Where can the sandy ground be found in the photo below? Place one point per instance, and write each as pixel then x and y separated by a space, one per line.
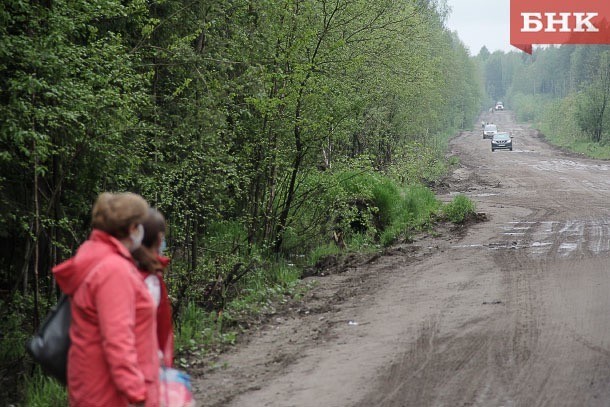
pixel 513 312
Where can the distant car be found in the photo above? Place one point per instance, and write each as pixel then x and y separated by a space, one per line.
pixel 501 141
pixel 499 106
pixel 489 131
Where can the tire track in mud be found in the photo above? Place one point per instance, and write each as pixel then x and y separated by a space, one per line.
pixel 517 356
pixel 539 338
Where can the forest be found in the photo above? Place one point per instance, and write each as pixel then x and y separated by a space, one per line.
pixel 563 90
pixel 270 133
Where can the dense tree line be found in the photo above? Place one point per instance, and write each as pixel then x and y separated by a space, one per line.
pixel 231 117
pixel 564 88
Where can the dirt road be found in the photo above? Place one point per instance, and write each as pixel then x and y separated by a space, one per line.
pixel 515 312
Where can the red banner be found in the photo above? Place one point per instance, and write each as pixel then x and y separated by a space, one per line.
pixel 559 22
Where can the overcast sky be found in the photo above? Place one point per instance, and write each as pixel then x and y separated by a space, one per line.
pixel 481 22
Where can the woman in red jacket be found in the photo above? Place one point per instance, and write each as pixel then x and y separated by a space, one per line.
pixel 113 358
pixel 152 265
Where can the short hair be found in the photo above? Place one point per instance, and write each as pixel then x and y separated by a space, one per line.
pixel 113 213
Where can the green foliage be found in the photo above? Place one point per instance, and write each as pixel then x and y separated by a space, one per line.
pixel 403 210
pixel 557 122
pixel 458 210
pixel 262 130
pixel 13 318
pixel 322 251
pixel 454 160
pixel 198 332
pixel 421 203
pixel 42 391
pixel 388 200
pixel 530 108
pixel 564 91
pixel 15 330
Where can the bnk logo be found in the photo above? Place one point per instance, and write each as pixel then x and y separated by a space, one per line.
pixel 559 22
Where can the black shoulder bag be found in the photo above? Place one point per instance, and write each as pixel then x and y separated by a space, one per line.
pixel 49 347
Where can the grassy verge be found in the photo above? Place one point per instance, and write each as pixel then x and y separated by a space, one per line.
pixel 369 210
pixel 557 120
pixel 351 208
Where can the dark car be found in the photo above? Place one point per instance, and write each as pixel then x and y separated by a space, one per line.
pixel 501 141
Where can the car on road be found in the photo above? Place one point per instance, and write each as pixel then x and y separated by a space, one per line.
pixel 489 131
pixel 499 106
pixel 501 141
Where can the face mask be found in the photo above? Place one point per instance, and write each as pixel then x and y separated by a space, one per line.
pixel 162 247
pixel 136 238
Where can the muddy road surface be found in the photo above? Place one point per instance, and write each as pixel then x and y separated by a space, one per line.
pixel 515 311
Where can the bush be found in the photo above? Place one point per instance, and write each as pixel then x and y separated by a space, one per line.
pixel 459 209
pixel 421 204
pixel 388 201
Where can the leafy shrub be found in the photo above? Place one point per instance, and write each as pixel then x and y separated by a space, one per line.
pixel 421 204
pixel 389 202
pixel 410 209
pixel 459 208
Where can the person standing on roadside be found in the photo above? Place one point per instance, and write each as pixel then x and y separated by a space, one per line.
pixel 152 265
pixel 113 359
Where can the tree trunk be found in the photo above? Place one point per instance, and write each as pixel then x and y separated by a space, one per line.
pixel 296 166
pixel 36 237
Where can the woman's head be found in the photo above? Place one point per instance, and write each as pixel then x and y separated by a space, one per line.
pixel 117 214
pixel 154 229
pixel 154 234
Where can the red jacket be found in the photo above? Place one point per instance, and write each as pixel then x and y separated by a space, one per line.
pixel 113 359
pixel 165 329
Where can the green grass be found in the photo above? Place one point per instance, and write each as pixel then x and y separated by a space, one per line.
pixel 557 120
pixel 200 331
pixel 459 208
pixel 42 391
pixel 283 274
pixel 576 143
pixel 454 161
pixel 322 251
pixel 421 203
pixel 410 209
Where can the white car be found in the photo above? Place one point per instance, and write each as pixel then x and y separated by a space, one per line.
pixel 499 106
pixel 490 131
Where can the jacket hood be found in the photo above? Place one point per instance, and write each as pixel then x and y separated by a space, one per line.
pixel 71 273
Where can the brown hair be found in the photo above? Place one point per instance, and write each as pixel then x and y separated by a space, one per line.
pixel 153 225
pixel 114 213
pixel 145 255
